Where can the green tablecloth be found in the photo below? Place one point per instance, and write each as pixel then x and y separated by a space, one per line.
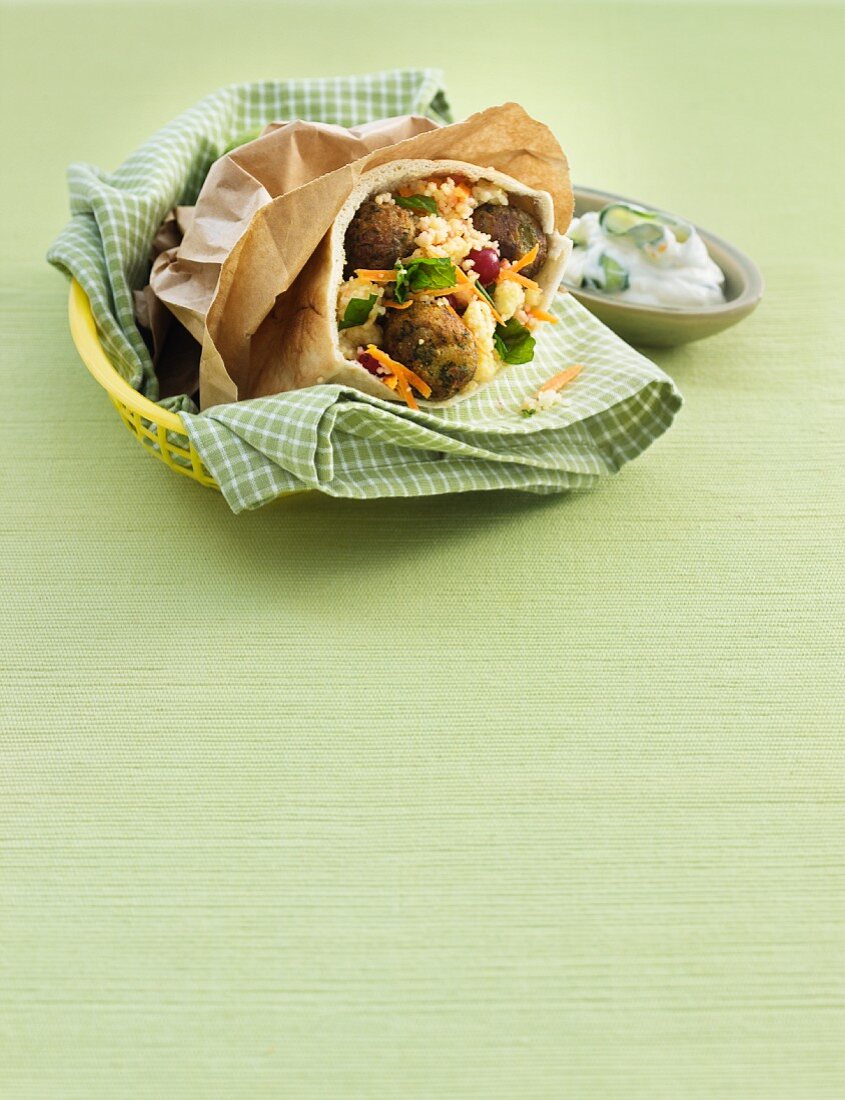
pixel 472 796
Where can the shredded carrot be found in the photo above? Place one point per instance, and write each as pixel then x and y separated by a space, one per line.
pixel 398 305
pixel 419 384
pixel 558 381
pixel 515 277
pixel 441 293
pixel 525 260
pixel 541 315
pixel 383 358
pixel 376 275
pixel 403 376
pixel 453 311
pixel 405 391
pixel 464 278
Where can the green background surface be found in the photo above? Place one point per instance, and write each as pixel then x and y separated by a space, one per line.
pixel 479 796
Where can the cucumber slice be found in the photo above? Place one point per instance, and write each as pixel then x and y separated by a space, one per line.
pixel 613 276
pixel 646 233
pixel 620 219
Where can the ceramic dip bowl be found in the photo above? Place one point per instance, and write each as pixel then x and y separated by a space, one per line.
pixel 666 326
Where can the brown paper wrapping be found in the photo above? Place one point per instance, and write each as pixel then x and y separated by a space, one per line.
pixel 287 156
pixel 249 278
pixel 175 352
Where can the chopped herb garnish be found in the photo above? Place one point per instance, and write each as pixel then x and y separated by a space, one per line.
pixel 514 342
pixel 485 294
pixel 527 412
pixel 357 311
pixel 425 273
pixel 400 291
pixel 421 204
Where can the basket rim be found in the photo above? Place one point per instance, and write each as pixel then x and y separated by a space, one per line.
pixel 83 330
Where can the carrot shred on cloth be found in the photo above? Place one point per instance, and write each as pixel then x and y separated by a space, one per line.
pixel 558 381
pixel 542 315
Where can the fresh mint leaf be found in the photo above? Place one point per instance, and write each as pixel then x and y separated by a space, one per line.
pixel 357 311
pixel 420 204
pixel 514 342
pixel 424 273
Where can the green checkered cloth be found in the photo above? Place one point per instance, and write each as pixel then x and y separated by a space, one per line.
pixel 333 438
pixel 345 443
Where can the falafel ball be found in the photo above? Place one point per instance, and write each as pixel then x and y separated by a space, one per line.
pixel 379 235
pixel 516 230
pixel 434 343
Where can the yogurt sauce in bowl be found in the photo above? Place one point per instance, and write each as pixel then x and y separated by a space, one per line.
pixel 722 283
pixel 643 256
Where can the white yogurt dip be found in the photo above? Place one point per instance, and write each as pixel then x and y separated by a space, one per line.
pixel 639 255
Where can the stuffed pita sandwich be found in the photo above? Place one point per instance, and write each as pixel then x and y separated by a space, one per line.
pixel 441 276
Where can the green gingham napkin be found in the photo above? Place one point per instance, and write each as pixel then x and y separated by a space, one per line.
pixel 346 443
pixel 333 438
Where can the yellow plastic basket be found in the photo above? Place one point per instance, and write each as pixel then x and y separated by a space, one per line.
pixel 160 433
